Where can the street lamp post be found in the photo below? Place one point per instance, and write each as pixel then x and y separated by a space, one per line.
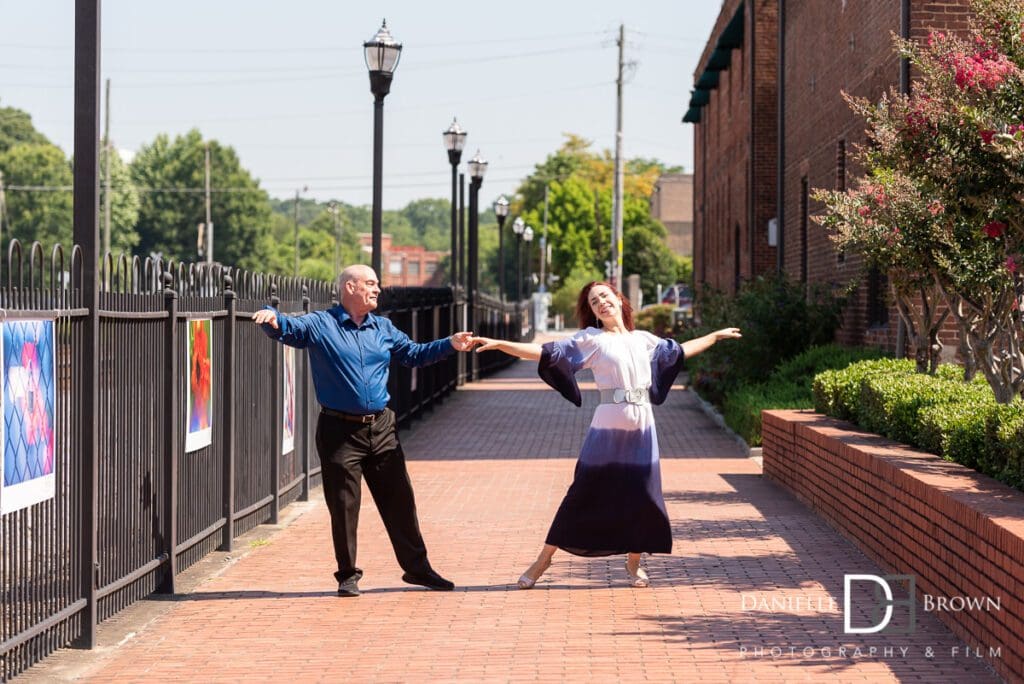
pixel 382 53
pixel 528 238
pixel 454 141
pixel 517 227
pixel 477 169
pixel 501 211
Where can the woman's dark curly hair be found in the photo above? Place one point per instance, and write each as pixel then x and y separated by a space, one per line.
pixel 585 315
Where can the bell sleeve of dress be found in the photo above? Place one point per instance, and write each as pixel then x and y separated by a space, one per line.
pixel 561 359
pixel 667 360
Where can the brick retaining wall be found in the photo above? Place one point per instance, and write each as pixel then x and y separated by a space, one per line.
pixel 959 532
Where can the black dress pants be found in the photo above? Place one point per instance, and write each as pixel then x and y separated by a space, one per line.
pixel 350 451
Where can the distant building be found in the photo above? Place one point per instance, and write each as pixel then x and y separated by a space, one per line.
pixel 672 204
pixel 406 265
pixel 735 108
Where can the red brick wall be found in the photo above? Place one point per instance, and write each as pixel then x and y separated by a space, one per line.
pixel 735 143
pixel 958 532
pixel 855 55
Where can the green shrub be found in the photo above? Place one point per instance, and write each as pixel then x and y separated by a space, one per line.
pixel 837 393
pixel 955 431
pixel 742 407
pixel 778 322
pixel 957 420
pixel 1004 433
pixel 656 319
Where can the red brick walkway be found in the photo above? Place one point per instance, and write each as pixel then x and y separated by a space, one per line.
pixel 489 469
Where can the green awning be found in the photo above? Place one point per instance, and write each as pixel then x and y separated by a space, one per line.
pixel 708 80
pixel 719 60
pixel 692 115
pixel 732 35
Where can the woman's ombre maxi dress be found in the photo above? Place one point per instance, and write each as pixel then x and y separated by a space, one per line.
pixel 615 504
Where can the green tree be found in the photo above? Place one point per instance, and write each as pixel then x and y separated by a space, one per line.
pixel 124 206
pixel 16 127
pixel 42 211
pixel 579 186
pixel 170 174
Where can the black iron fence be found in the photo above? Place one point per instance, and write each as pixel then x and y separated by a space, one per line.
pixel 171 336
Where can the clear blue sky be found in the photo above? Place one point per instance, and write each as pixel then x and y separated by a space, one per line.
pixel 285 84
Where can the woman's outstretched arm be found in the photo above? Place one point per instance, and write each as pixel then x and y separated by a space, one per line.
pixel 699 344
pixel 523 350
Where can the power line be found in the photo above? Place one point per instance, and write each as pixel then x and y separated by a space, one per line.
pixel 275 51
pixel 333 75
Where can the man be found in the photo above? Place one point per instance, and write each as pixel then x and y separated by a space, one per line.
pixel 349 352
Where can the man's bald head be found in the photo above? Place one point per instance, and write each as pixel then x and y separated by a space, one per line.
pixel 358 289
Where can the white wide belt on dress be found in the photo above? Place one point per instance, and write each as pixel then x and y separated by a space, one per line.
pixel 639 395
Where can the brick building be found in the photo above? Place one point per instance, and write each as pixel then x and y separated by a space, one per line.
pixel 406 265
pixel 734 108
pixel 672 204
pixel 816 134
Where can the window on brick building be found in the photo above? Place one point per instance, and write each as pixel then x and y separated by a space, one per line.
pixel 395 266
pixel 878 307
pixel 841 182
pixel 736 258
pixel 413 268
pixel 804 202
pixel 430 267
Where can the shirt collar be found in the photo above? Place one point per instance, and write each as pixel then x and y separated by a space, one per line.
pixel 344 317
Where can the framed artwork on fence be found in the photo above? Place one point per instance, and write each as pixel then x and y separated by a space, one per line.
pixel 29 397
pixel 288 401
pixel 199 385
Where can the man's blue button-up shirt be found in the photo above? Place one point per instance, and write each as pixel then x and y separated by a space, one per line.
pixel 349 363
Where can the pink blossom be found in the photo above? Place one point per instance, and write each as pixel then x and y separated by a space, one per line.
pixel 864 211
pixel 994 228
pixel 935 207
pixel 1011 264
pixel 987 135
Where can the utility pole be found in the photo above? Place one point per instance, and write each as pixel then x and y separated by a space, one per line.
pixel 544 243
pixel 617 197
pixel 209 223
pixel 335 210
pixel 296 233
pixel 304 189
pixel 3 207
pixel 106 174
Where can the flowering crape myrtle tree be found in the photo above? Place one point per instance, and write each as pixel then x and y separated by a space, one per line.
pixel 887 221
pixel 958 139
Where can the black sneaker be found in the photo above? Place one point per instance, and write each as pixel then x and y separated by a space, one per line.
pixel 349 587
pixel 428 579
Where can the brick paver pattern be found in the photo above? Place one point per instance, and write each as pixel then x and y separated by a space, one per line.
pixel 489 468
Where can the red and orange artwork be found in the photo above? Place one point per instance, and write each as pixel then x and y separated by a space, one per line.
pixel 199 358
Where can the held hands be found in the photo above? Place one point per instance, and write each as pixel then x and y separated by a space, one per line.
pixel 462 341
pixel 265 316
pixel 483 343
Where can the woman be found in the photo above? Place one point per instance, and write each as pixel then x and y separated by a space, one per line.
pixel 614 504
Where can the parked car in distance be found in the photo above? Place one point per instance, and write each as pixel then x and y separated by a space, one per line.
pixel 679 295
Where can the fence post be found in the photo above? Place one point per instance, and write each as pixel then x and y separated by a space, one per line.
pixel 231 304
pixel 275 422
pixel 171 430
pixel 302 399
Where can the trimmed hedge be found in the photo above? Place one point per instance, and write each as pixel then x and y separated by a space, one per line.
pixel 787 387
pixel 957 420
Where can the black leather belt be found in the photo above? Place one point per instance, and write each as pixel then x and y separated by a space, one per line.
pixel 365 418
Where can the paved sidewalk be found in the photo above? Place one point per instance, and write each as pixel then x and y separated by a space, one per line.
pixel 489 468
